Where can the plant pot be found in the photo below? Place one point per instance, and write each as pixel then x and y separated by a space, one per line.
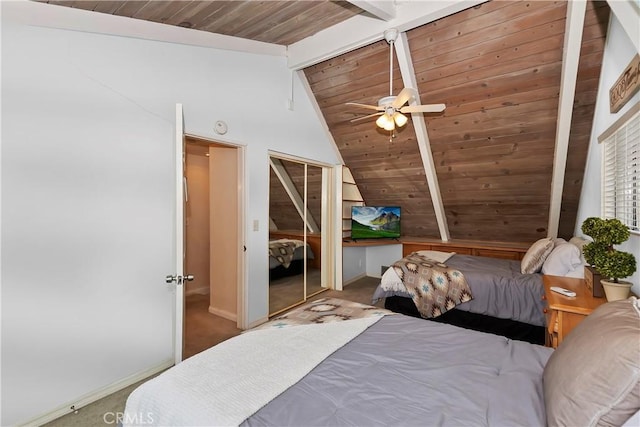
pixel 593 281
pixel 616 291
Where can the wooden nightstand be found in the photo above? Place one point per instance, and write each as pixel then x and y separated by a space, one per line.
pixel 565 313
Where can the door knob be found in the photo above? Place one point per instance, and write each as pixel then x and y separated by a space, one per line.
pixel 179 279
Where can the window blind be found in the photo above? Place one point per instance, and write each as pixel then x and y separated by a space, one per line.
pixel 621 173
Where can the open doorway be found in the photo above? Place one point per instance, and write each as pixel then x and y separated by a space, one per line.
pixel 213 248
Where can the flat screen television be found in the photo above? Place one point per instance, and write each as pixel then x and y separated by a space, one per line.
pixel 375 222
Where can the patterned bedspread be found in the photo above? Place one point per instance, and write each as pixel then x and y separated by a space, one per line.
pixel 434 287
pixel 325 310
pixel 282 250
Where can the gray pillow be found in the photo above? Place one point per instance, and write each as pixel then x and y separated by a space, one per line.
pixel 593 378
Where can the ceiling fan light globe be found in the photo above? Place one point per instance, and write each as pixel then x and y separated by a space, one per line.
pixel 400 119
pixel 383 121
pixel 390 125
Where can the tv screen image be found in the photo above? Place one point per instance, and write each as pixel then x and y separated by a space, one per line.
pixel 375 222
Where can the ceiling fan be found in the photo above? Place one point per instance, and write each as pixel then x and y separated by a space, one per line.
pixel 391 108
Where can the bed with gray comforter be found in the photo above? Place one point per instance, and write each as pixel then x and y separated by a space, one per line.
pixel 401 372
pixel 498 288
pixel 297 255
pixel 398 371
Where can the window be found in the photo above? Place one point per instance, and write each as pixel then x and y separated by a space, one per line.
pixel 621 171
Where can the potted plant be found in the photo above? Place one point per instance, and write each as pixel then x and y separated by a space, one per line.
pixel 612 264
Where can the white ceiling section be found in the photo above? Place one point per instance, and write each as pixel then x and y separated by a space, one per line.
pixel 385 10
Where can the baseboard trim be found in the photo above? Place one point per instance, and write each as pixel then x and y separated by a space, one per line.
pixel 198 291
pixel 223 313
pixel 98 394
pixel 353 279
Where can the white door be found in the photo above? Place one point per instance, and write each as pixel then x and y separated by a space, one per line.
pixel 177 276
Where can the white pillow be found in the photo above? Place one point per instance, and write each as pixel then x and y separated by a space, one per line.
pixel 577 272
pixel 535 256
pixel 563 259
pixel 579 242
pixel 558 241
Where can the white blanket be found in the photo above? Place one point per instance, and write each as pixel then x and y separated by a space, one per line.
pixel 226 384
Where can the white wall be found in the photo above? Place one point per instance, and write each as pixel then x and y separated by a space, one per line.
pixel 87 165
pixel 618 53
pixel 354 263
pixel 377 256
pixel 359 261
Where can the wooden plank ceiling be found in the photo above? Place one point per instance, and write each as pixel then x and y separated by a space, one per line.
pixel 496 66
pixel 278 22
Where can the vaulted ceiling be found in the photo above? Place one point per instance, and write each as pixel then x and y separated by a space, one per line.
pixel 497 67
pixel 482 169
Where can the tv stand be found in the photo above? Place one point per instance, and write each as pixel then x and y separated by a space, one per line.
pixel 502 250
pixel 370 242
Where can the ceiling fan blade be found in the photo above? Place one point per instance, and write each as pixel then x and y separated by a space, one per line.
pixel 357 119
pixel 403 97
pixel 430 108
pixel 370 107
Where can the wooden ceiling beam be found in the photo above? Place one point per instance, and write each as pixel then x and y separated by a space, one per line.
pixel 576 11
pixel 422 136
pixel 384 10
pixel 362 30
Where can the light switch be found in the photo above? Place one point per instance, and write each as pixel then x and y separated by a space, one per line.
pixel 256 225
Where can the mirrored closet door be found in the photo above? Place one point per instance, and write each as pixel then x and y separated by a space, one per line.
pixel 314 210
pixel 295 227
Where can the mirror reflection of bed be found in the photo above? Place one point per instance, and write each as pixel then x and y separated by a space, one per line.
pixel 286 284
pixel 295 204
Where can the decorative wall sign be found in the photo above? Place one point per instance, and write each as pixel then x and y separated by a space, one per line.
pixel 626 86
